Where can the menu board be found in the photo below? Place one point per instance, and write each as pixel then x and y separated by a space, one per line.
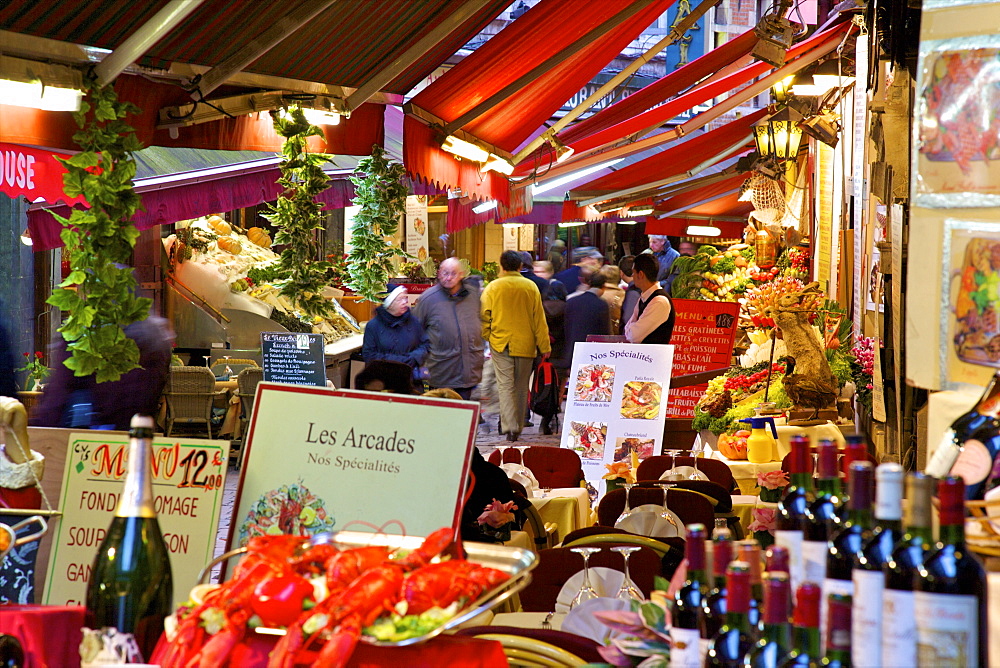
pixel 416 227
pixel 188 480
pixel 293 358
pixel 704 334
pixel 616 403
pixel 322 460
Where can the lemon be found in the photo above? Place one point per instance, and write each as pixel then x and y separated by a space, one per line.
pixel 308 516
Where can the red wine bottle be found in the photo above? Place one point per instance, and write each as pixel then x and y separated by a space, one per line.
pixel 715 602
pixel 838 638
pixel 805 628
pixel 950 591
pixel 823 515
pixel 899 623
pixel 776 637
pixel 685 632
pixel 792 516
pixel 855 450
pixel 748 550
pixel 868 578
pixel 731 644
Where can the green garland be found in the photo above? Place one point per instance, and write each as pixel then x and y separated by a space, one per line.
pixel 381 194
pixel 298 215
pixel 99 293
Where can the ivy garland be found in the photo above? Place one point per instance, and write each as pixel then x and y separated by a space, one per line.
pixel 99 293
pixel 298 215
pixel 381 194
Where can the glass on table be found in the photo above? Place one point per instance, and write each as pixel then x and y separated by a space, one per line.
pixel 628 508
pixel 587 590
pixel 628 591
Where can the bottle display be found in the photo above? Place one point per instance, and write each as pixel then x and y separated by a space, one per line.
pixel 805 628
pixel 823 512
pixel 792 517
pixel 715 602
pixel 776 637
pixel 838 637
pixel 131 587
pixel 731 644
pixel 685 633
pixel 748 551
pixel 899 624
pixel 949 596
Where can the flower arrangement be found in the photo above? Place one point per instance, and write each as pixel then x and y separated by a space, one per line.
pixel 497 519
pixel 862 369
pixel 36 369
pixel 763 525
pixel 771 485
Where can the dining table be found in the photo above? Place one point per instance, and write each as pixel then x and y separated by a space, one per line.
pixel 566 507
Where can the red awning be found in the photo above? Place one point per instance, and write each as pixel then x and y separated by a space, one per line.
pixel 543 32
pixel 712 205
pixel 33 173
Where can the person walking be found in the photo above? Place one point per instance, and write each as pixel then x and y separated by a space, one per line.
pixel 653 318
pixel 514 326
pixel 450 314
pixel 613 294
pixel 394 334
pixel 586 314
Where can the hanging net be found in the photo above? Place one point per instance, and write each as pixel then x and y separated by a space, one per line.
pixel 767 199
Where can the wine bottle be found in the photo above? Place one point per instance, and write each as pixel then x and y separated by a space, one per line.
pixel 822 512
pixel 838 639
pixel 855 450
pixel 131 587
pixel 970 445
pixel 776 561
pixel 776 637
pixel 11 652
pixel 731 644
pixel 792 518
pixel 846 544
pixel 685 632
pixel 899 624
pixel 950 591
pixel 805 628
pixel 748 550
pixel 715 602
pixel 868 578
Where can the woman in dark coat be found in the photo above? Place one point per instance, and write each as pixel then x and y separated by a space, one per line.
pixel 394 334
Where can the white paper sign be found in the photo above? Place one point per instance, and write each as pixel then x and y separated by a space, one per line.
pixel 616 403
pixel 416 226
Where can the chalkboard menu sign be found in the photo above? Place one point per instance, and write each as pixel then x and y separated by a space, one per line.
pixel 294 358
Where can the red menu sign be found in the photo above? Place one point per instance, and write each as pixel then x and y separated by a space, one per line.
pixel 704 334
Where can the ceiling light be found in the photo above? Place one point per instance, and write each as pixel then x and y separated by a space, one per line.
pixel 563 152
pixel 464 149
pixel 485 206
pixel 499 164
pixel 628 222
pixel 830 75
pixel 569 178
pixel 573 223
pixel 703 231
pixel 29 83
pixel 319 117
pixel 639 211
pixel 26 237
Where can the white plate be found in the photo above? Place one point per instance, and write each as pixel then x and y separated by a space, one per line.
pixel 646 520
pixel 684 472
pixel 581 621
pixel 605 581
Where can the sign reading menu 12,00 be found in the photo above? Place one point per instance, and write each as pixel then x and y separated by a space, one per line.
pixel 188 479
pixel 616 404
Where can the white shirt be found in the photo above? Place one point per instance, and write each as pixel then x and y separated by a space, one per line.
pixel 654 314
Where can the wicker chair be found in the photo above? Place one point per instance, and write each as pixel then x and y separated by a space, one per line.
pixel 235 366
pixel 189 394
pixel 247 381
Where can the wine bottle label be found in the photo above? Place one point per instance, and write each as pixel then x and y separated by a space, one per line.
pixel 899 629
pixel 792 541
pixel 814 560
pixel 685 648
pixel 866 618
pixel 944 456
pixel 831 586
pixel 947 629
pixel 974 463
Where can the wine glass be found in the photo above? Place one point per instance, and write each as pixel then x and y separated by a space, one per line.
pixel 673 463
pixel 696 474
pixel 587 590
pixel 521 449
pixel 628 591
pixel 628 508
pixel 502 448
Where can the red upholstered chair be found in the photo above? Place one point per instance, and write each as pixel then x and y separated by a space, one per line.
pixel 720 498
pixel 557 565
pixel 552 466
pixel 717 471
pixel 509 455
pixel 691 507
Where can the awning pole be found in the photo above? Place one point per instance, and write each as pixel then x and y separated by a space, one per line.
pixel 704 201
pixel 142 39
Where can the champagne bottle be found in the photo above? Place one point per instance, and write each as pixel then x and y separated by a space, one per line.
pixel 792 519
pixel 130 587
pixel 868 578
pixel 805 628
pixel 838 639
pixel 822 512
pixel 970 445
pixel 731 644
pixel 846 545
pixel 950 591
pixel 776 638
pixel 685 632
pixel 715 602
pixel 899 623
pixel 748 550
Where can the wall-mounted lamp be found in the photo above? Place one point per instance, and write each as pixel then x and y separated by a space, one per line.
pixel 465 150
pixel 563 152
pixel 823 127
pixel 485 206
pixel 703 231
pixel 825 78
pixel 26 237
pixel 498 164
pixel 782 89
pixel 29 83
pixel 778 135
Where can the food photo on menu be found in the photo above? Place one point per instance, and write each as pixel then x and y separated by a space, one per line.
pixel 588 438
pixel 641 400
pixel 594 382
pixel 642 447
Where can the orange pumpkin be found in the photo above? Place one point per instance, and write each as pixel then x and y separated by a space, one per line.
pixel 732 446
pixel 230 245
pixel 259 236
pixel 219 226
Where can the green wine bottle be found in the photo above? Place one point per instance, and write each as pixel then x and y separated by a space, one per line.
pixel 131 588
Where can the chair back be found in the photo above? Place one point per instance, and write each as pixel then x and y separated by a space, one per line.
pixel 717 471
pixel 247 381
pixel 721 499
pixel 235 365
pixel 189 394
pixel 552 466
pixel 558 564
pixel 690 506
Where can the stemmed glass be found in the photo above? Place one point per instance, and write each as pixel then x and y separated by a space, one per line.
pixel 665 513
pixel 628 508
pixel 628 591
pixel 521 449
pixel 502 448
pixel 696 474
pixel 673 461
pixel 587 590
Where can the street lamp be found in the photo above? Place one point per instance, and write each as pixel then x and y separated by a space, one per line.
pixel 778 135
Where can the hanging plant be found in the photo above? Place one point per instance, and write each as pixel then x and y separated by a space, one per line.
pixel 381 194
pixel 99 293
pixel 298 215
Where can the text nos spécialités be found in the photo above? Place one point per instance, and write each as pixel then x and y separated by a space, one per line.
pixel 388 443
pixel 618 354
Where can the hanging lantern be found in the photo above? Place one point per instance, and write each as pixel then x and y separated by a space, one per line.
pixel 778 135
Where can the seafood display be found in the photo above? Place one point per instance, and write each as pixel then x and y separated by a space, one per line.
pixel 641 400
pixel 290 509
pixel 594 382
pixel 588 438
pixel 328 598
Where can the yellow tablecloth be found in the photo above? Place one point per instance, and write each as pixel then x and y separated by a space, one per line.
pixel 817 433
pixel 746 473
pixel 519 539
pixel 566 507
pixel 743 505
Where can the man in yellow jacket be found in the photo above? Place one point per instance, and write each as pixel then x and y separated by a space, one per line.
pixel 514 327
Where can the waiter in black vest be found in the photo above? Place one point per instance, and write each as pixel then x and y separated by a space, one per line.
pixel 653 318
